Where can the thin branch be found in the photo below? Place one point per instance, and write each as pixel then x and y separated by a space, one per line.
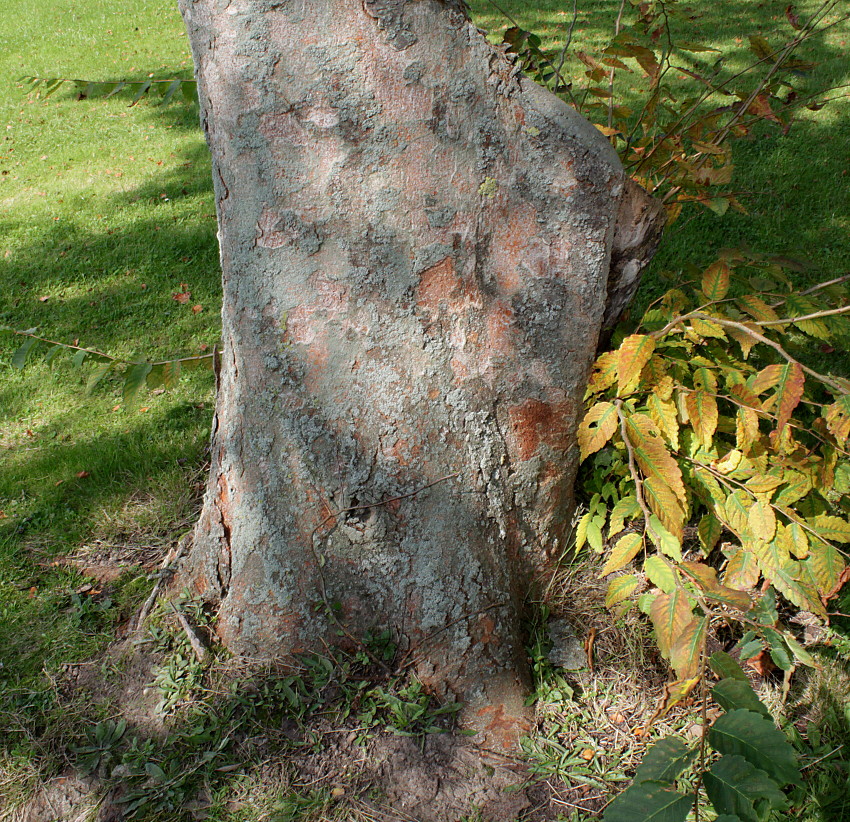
pixel 194 640
pixel 814 316
pixel 611 73
pixel 633 469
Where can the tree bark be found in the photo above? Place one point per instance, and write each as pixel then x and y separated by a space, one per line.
pixel 415 244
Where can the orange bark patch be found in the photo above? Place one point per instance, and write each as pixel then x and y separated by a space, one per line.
pixel 510 246
pixel 501 728
pixel 534 423
pixel 437 283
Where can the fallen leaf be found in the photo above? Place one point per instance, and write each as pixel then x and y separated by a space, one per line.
pixel 144 408
pixel 33 591
pixel 762 663
pixel 196 309
pixel 43 299
pixel 336 793
pixel 116 407
pixel 587 754
pixel 616 716
pixel 82 474
pixel 29 432
pixel 58 482
pixel 204 346
pixel 182 297
pixel 4 515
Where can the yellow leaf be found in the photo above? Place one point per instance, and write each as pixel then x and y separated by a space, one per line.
pixel 623 553
pixel 660 573
pixel 604 373
pixel 665 504
pixel 626 508
pixel 737 511
pixel 837 418
pixel 675 692
pixel 663 413
pixel 746 429
pixel 709 530
pixel 746 341
pixel 687 647
pixel 830 527
pixel 796 487
pixel 715 280
pixel 652 455
pixel 789 392
pixel 762 521
pixel 707 328
pixel 764 483
pixel 702 410
pixel 620 588
pixel 784 574
pixel 729 462
pixel 765 379
pixel 757 308
pixel 670 613
pixel 742 571
pixel 597 427
pixel 632 356
pixel 826 566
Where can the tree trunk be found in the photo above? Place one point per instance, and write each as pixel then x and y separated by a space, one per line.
pixel 415 244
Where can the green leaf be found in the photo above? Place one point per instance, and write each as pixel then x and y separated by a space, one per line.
pixel 664 761
pixel 97 374
pixel 649 802
pixel 19 358
pixel 757 740
pixel 726 668
pixel 660 573
pixel 78 358
pixel 133 382
pixel 626 508
pixel 715 280
pixel 666 542
pixel 734 786
pixel 732 694
pixel 709 530
pixel 143 89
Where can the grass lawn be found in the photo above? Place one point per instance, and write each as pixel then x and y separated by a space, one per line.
pixel 106 213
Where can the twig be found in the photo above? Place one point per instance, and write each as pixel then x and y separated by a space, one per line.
pixel 164 571
pixel 831 312
pixel 633 468
pixel 611 73
pixel 197 646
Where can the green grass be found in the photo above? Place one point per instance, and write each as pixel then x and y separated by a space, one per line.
pixel 106 210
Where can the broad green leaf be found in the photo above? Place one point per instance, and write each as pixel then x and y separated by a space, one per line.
pixel 19 358
pixel 78 358
pixel 171 373
pixel 784 574
pixel 133 382
pixel 623 553
pixel 594 536
pixel 649 802
pixel 97 374
pixel 620 588
pixel 778 649
pixel 732 694
pixel 670 615
pixel 706 329
pixel 715 280
pixel 664 761
pixel 632 356
pixel 686 650
pixel 800 653
pixel 734 786
pixel 726 667
pixel 652 455
pixel 597 427
pixel 142 89
pixel 758 740
pixel 666 542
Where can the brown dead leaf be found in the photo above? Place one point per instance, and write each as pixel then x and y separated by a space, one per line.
pixel 182 297
pixel 197 309
pixel 761 663
pixel 43 299
pixel 33 591
pixel 82 474
pixel 587 754
pixel 29 432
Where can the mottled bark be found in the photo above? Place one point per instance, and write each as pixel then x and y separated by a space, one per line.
pixel 415 245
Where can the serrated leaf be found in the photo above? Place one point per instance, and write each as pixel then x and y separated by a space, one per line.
pixel 784 574
pixel 742 571
pixel 19 358
pixel 837 418
pixel 830 527
pixel 737 511
pixel 789 392
pixel 649 802
pixel 732 694
pixel 667 508
pixel 708 531
pixel 765 379
pixel 620 588
pixel 702 411
pixel 686 650
pixel 726 668
pixel 634 353
pixel 756 739
pixel 675 692
pixel 97 374
pixel 597 427
pixel 660 573
pixel 779 652
pixel 663 413
pixel 705 577
pixel 594 536
pixel 171 373
pixel 734 786
pixel 760 47
pixel 581 530
pixel 761 520
pixel 626 508
pixel 670 614
pixel 826 565
pixel 604 373
pixel 666 542
pixel 757 308
pixel 745 340
pixel 796 487
pixel 652 455
pixel 715 280
pixel 746 429
pixel 623 553
pixel 706 329
pixel 133 382
pixel 664 761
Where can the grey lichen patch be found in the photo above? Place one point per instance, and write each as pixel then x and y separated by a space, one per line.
pixel 391 22
pixel 413 72
pixel 440 217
